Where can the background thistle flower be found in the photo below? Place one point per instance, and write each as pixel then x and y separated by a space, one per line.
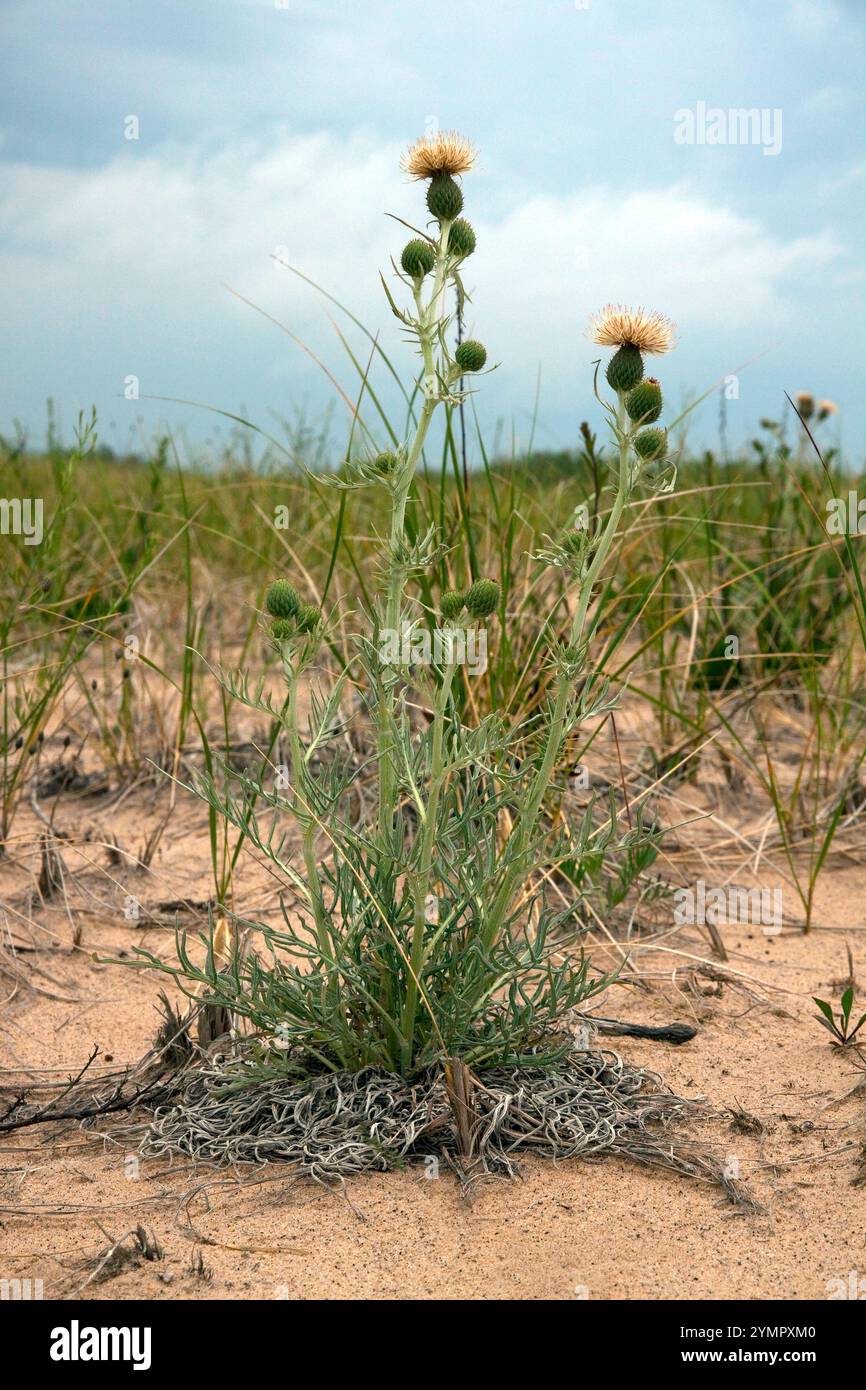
pixel 644 402
pixel 482 598
pixel 805 404
pixel 444 198
pixel 471 355
pixel 461 239
pixel 651 444
pixel 418 258
pixel 282 599
pixel 451 605
pixel 446 152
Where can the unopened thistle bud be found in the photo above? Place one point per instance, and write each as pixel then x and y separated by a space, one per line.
pixel 573 542
pixel 651 445
pixel 482 598
pixel 386 463
pixel 444 198
pixel 625 368
pixel 471 355
pixel 452 604
pixel 282 599
pixel 418 258
pixel 283 630
pixel 644 401
pixel 461 239
pixel 308 618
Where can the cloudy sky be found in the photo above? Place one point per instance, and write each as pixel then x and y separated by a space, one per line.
pixel 275 127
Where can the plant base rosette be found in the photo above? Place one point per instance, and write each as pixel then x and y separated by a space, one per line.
pixel 342 1124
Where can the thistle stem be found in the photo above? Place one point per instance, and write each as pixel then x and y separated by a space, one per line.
pixel 422 878
pixel 303 808
pixel 531 806
pixel 429 317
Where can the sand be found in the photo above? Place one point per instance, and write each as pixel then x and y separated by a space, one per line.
pixel 601 1230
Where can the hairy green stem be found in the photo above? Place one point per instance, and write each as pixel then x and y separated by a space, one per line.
pixel 421 883
pixel 303 814
pixel 429 320
pixel 531 805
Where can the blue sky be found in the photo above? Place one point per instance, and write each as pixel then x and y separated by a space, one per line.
pixel 276 129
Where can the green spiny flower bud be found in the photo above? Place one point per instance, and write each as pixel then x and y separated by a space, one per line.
pixel 452 605
pixel 282 599
pixel 386 463
pixel 482 598
pixel 574 542
pixel 418 258
pixel 651 444
pixel 283 630
pixel 471 355
pixel 444 198
pixel 308 618
pixel 461 239
pixel 644 402
pixel 625 368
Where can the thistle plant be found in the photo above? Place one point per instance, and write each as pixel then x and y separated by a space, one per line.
pixel 424 935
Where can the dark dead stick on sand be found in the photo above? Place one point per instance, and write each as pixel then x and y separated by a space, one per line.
pixel 669 1032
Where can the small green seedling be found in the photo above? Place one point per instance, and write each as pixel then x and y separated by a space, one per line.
pixel 840 1029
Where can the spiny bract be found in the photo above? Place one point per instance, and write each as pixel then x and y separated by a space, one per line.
pixel 651 444
pixel 461 239
pixel 418 258
pixel 471 355
pixel 444 198
pixel 625 369
pixel 482 598
pixel 452 604
pixel 644 402
pixel 282 599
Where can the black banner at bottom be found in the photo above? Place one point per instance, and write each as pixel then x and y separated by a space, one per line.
pixel 161 1336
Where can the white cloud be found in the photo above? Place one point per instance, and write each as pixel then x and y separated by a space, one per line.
pixel 185 219
pixel 835 182
pixel 829 101
pixel 813 17
pixel 190 219
pixel 146 242
pixel 669 248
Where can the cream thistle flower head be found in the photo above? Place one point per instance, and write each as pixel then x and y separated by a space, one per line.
pixel 617 326
pixel 826 409
pixel 446 153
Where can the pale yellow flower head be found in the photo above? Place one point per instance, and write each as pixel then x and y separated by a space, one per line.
pixel 446 152
pixel 805 404
pixel 617 326
pixel 826 409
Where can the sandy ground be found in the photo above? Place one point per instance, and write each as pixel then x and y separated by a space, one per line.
pixel 600 1230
